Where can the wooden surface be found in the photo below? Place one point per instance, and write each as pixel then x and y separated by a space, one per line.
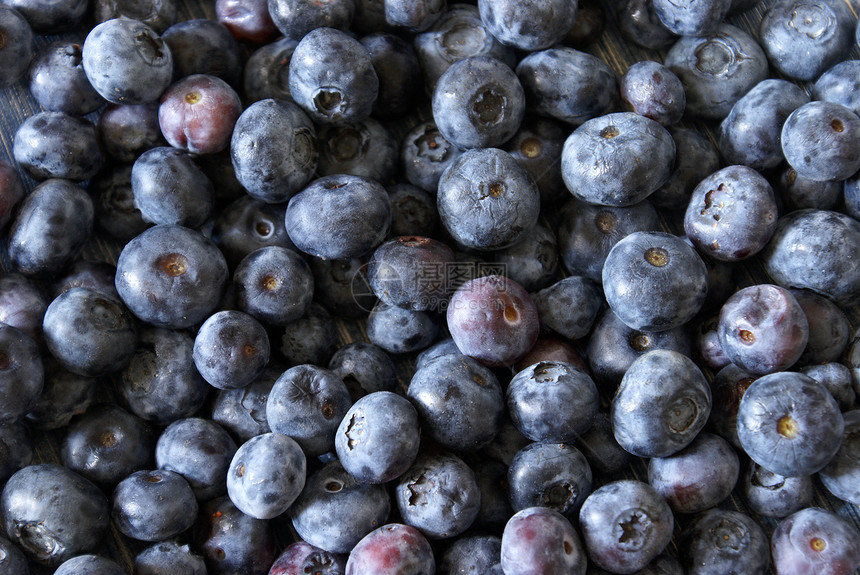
pixel 16 104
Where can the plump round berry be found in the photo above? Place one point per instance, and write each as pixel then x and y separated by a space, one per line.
pixel 231 349
pixel 815 540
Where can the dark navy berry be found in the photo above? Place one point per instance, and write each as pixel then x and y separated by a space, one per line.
pixel 820 141
pixel 168 557
pixel 553 475
pixel 58 145
pixel 17 47
pixel 725 541
pixel 58 81
pixel 528 27
pixel 153 505
pixel 169 188
pixel 773 495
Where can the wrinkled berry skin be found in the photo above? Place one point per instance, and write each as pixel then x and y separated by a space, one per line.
pixel 378 438
pixel 812 249
pixel 803 39
pixel 815 541
pixel 17 50
pixel 654 281
pixel 478 102
pixel 698 477
pixel 50 228
pixel 750 134
pixel 231 542
pixel 168 557
pixel 763 329
pixel 300 557
pixel 307 403
pixel 529 27
pixel 140 66
pixel 153 505
pixel 339 217
pixel 200 450
pixel 89 332
pixel 171 276
pixel 160 383
pixel 661 405
pixel 821 141
pixel 459 401
pixel 273 149
pixel 732 214
pixel 493 320
pixel 424 156
pixel 58 145
pixel 266 475
pixel 553 475
pixel 486 201
pixel 552 401
pixel 724 541
pixel 53 514
pixel 58 81
pixel 547 75
pixel 335 510
pixel 717 69
pixel 773 495
pixel 789 423
pixel 438 495
pixel 392 549
pixel 603 162
pixel 625 524
pixel 332 77
pixel 541 541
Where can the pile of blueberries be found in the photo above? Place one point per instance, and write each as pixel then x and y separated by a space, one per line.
pixel 406 287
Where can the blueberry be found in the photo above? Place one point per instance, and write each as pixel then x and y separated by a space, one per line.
pixel 717 69
pixel 17 50
pixel 16 450
pixel 399 74
pixel 537 146
pixel 231 349
pixel 22 303
pixel 811 250
pixel 552 401
pixel 625 524
pixel 390 550
pixel 803 39
pixel 248 22
pixel 493 319
pixel 541 540
pixel 140 66
pixel 378 438
pixel 267 69
pixel 696 157
pixel 532 262
pixel 400 330
pixel 528 27
pixel 459 401
pixel 458 33
pixel 53 514
pixel 654 281
pixel 157 14
pixel 661 405
pixel 106 444
pixel 198 113
pixel 171 276
pixel 332 77
pixel 364 368
pixel 789 423
pixel 312 338
pixel 231 542
pixel 732 214
pixel 274 150
pixel 366 148
pixel 603 161
pixel 242 411
pixel 295 18
pixel 552 475
pixel 478 102
pixel 770 494
pixel 840 85
pixel 339 217
pixel 763 329
pixel 335 510
pixel 727 388
pixel 652 90
pixel 819 140
pixel 691 18
pixel 409 272
pixel 815 540
pixel 301 557
pixel 128 130
pixel 58 81
pixel 587 233
pixel 12 559
pixel 799 192
pixel 438 495
pixel 160 383
pixel 413 15
pixel 169 188
pixel 547 74
pixel 836 377
pixel 307 403
pixel 638 22
pixel 492 476
pixel 725 541
pixel 750 134
pixel 203 46
pixel 274 285
pixel 266 475
pixel 486 200
pixel 840 475
pixel 598 444
pixel 90 565
pixel 51 16
pixel 58 145
pixel 96 275
pixel 168 557
pixel 153 505
pixel 698 477
pixel 569 307
pixel 413 211
pixel 424 155
pixel 473 553
pixel 200 450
